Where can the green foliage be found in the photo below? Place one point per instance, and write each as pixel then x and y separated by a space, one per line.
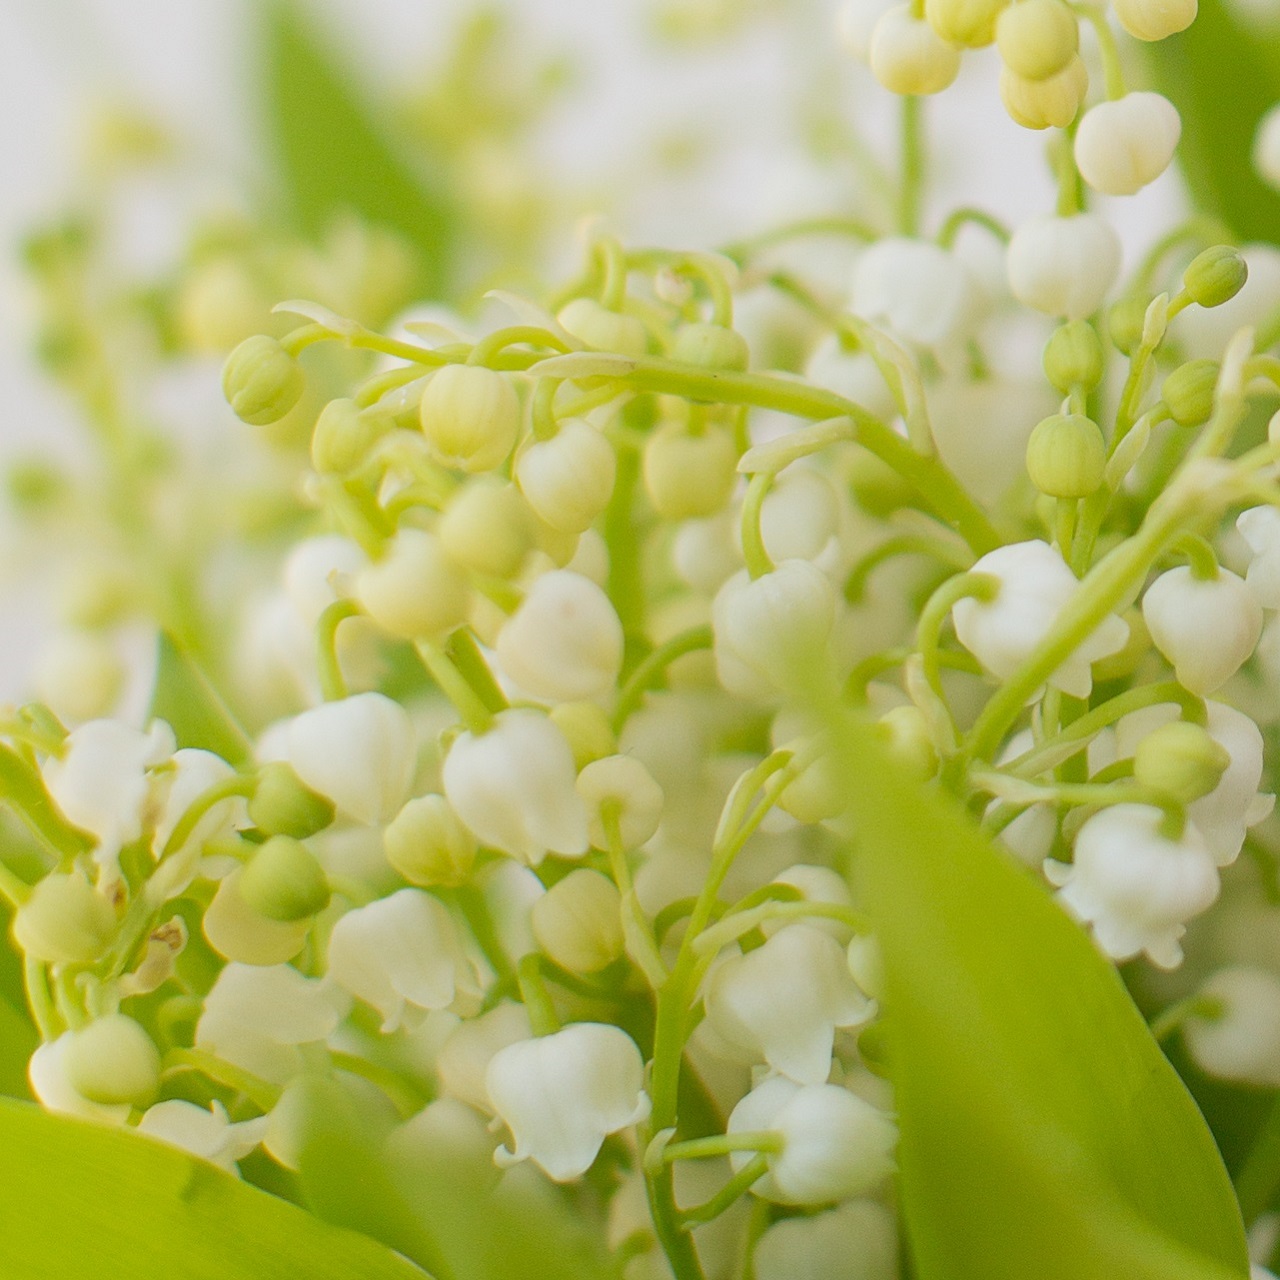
pixel 84 1202
pixel 185 699
pixel 335 151
pixel 1043 1132
pixel 18 1041
pixel 1222 82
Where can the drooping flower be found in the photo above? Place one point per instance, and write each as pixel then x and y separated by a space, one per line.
pixel 1241 1039
pixel 208 1134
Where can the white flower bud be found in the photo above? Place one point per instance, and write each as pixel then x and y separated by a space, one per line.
pixel 470 416
pixel 783 1001
pixel 487 527
pixel 564 642
pixel 1125 144
pixel 602 329
pixel 626 784
pixel 800 515
pixel 816 884
pixel 1242 1042
pixel 687 475
pixel 1137 888
pixel 427 843
pixel 207 1134
pixel 1260 528
pixel 1049 103
pixel 1035 584
pixel 923 293
pixel 866 963
pixel 1155 19
pixel 563 1094
pixel 464 1057
pixel 319 571
pixel 568 480
pixel 856 22
pixel 359 752
pixel 64 921
pixel 47 1075
pixel 1064 266
pixel 852 374
pixel 1234 805
pixel 112 1061
pixel 514 787
pixel 857 1241
pixel 835 1145
pixel 578 922
pixel 908 56
pixel 237 932
pixel 1037 38
pixel 255 1017
pixel 706 552
pixel 402 952
pixel 1206 628
pixel 79 676
pixel 1266 147
pixel 416 591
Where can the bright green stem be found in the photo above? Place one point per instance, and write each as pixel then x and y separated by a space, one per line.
pixel 964 586
pixel 730 1193
pixel 721 1144
pixel 456 687
pixel 626 572
pixel 406 1099
pixel 260 1092
pixel 733 925
pixel 905 545
pixel 529 335
pixel 542 414
pixel 13 889
pixel 753 548
pixel 1110 55
pixel 911 192
pixel 967 216
pixel 373 389
pixel 537 1000
pixel 238 785
pixel 703 266
pixel 475 910
pixel 1201 557
pixel 642 945
pixel 650 670
pixel 1172 1018
pixel 333 685
pixel 35 980
pixel 463 651
pixel 855 687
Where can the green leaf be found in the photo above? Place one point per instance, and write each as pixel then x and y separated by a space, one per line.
pixel 185 699
pixel 336 149
pixel 1222 81
pixel 18 1041
pixel 84 1202
pixel 1043 1132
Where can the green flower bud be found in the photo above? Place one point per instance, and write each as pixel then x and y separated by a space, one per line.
pixel 1188 392
pixel 488 527
pixel 1216 275
pixel 65 921
pixel 1125 322
pixel 1073 357
pixel 964 22
pixel 688 475
pixel 586 726
pixel 470 416
pixel 578 922
pixel 1037 38
pixel 1067 456
pixel 1182 760
pixel 113 1061
pixel 905 735
pixel 284 881
pixel 711 346
pixel 602 329
pixel 283 805
pixel 427 843
pixel 261 381
pixel 343 435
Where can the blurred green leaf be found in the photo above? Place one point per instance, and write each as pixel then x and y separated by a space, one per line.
pixel 1222 80
pixel 86 1202
pixel 336 148
pixel 1043 1132
pixel 185 699
pixel 18 1041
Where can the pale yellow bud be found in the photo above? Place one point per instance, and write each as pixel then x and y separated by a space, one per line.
pixel 1067 456
pixel 578 922
pixel 909 57
pixel 113 1061
pixel 470 416
pixel 689 475
pixel 487 527
pixel 1180 759
pixel 1155 19
pixel 1037 38
pixel 711 346
pixel 427 843
pixel 905 734
pixel 343 435
pixel 261 381
pixel 964 22
pixel 415 591
pixel 219 305
pixel 1049 103
pixel 65 921
pixel 602 329
pixel 568 479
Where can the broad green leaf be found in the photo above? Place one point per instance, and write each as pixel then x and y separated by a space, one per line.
pixel 184 697
pixel 1222 80
pixel 85 1202
pixel 336 152
pixel 1043 1132
pixel 18 1041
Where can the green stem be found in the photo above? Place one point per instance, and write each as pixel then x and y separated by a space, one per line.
pixel 260 1092
pixel 967 215
pixel 463 651
pixel 406 1099
pixel 855 687
pixel 730 1193
pixel 1112 70
pixel 905 544
pixel 721 1144
pixel 526 334
pixel 533 992
pixel 1202 231
pixel 964 586
pixel 35 980
pixel 651 668
pixel 733 925
pixel 22 789
pixel 637 930
pixel 911 192
pixel 468 703
pixel 852 228
pixel 753 548
pixel 333 685
pixel 1172 1018
pixel 237 785
pixel 13 889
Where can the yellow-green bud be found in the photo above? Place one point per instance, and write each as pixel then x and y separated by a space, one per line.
pixel 1188 392
pixel 1037 38
pixel 261 381
pixel 65 921
pixel 343 435
pixel 1066 456
pixel 283 805
pixel 905 735
pixel 488 527
pixel 1073 357
pixel 1049 103
pixel 416 591
pixel 1181 760
pixel 470 416
pixel 1215 276
pixel 283 881
pixel 964 22
pixel 578 922
pixel 427 843
pixel 687 475
pixel 221 304
pixel 711 346
pixel 113 1061
pixel 1125 323
pixel 602 329
pixel 586 727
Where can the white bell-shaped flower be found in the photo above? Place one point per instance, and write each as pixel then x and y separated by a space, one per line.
pixel 513 786
pixel 359 752
pixel 194 772
pixel 256 1016
pixel 1242 1041
pixel 563 1094
pixel 1224 815
pixel 416 590
pixel 465 1055
pixel 922 292
pixel 568 480
pixel 1260 528
pixel 402 952
pixel 815 884
pixel 237 932
pixel 1126 143
pixel 319 571
pixel 1137 887
pixel 800 515
pixel 102 785
pixel 1035 584
pixel 626 783
pixel 208 1134
pixel 1206 627
pixel 564 642
pixel 48 1077
pixel 852 374
pixel 1266 147
pixel 856 1241
pixel 783 1001
pixel 835 1145
pixel 855 23
pixel 1064 266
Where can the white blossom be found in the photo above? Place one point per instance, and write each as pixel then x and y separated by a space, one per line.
pixel 47 1075
pixel 1137 887
pixel 922 292
pixel 1234 805
pixel 624 782
pixel 1124 144
pixel 568 479
pixel 1064 266
pixel 578 922
pixel 207 1134
pixel 194 772
pixel 465 1055
pixel 1242 1040
pixel 1260 528
pixel 561 1095
pixel 855 1241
